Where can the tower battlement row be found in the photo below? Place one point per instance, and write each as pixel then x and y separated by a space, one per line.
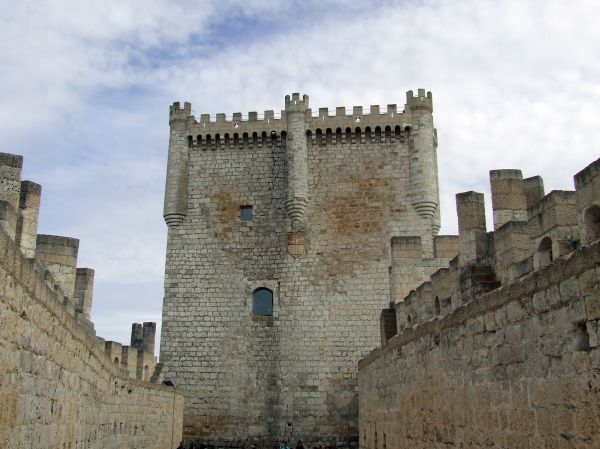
pixel 342 118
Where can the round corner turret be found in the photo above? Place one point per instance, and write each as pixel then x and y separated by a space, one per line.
pixel 295 104
pixel 422 102
pixel 179 114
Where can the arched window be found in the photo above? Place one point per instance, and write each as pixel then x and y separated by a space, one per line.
pixel 377 134
pixel 591 220
pixel 545 252
pixel 437 306
pixel 262 302
pixel 146 374
pixel 116 361
pixel 319 135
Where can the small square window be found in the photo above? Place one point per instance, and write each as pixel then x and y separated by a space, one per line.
pixel 246 213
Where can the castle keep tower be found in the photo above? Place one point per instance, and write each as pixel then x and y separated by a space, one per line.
pixel 284 234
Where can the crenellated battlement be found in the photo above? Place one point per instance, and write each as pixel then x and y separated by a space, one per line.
pixel 533 239
pixel 177 113
pixel 422 102
pixel 388 122
pixel 295 104
pixel 47 265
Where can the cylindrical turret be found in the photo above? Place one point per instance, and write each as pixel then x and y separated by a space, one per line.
pixel 296 154
pixel 137 340
pixel 534 190
pixel 10 177
pixel 59 255
pixel 148 336
pixel 84 291
pixel 29 208
pixel 423 157
pixel 472 240
pixel 509 201
pixel 176 188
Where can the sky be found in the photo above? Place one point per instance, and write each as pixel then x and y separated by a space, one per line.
pixel 85 89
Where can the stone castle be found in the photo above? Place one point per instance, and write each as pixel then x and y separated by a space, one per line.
pixel 277 260
pixel 297 243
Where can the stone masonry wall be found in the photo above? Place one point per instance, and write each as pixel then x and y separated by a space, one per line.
pixel 291 375
pixel 516 368
pixel 58 389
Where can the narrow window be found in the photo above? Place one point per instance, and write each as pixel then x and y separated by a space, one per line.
pixel 437 306
pixel 377 134
pixel 246 213
pixel 262 302
pixel 319 135
pixel 448 304
pixel 592 223
pixel 545 252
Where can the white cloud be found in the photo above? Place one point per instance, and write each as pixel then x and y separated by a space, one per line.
pixel 515 85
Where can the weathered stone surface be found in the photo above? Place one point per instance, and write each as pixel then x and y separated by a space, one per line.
pixel 516 367
pixel 328 195
pixel 57 386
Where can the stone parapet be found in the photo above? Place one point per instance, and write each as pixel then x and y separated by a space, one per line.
pixel 511 352
pixel 59 386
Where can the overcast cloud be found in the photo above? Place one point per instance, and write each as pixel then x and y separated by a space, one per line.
pixel 85 89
